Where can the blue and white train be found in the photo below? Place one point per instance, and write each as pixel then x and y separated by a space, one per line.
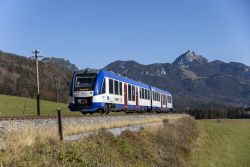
pixel 102 91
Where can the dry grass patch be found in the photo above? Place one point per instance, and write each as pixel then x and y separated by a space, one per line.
pixel 166 145
pixel 29 135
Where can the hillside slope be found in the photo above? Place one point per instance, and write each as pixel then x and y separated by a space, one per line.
pixel 18 77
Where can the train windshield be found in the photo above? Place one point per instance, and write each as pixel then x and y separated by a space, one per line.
pixel 84 82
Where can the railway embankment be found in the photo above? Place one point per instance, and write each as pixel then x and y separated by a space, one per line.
pixel 73 125
pixel 167 143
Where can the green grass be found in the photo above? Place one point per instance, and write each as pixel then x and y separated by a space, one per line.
pixel 223 143
pixel 19 106
pixel 22 106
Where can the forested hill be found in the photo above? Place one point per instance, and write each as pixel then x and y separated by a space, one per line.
pixel 18 77
pixel 193 81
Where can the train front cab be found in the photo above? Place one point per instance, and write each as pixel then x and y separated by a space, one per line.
pixel 83 90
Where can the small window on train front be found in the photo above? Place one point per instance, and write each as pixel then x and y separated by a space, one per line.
pixel 104 86
pixel 120 87
pixel 146 94
pixel 129 92
pixel 111 86
pixel 169 99
pixel 116 88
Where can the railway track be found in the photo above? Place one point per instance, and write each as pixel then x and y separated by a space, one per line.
pixel 10 118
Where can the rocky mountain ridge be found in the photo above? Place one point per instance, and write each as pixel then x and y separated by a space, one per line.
pixel 193 81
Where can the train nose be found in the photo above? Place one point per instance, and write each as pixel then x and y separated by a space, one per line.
pixel 82 101
pixel 83 93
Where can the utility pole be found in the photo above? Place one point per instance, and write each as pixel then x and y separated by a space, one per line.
pixel 36 52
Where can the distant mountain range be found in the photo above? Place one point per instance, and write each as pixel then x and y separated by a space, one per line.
pixel 193 81
pixel 191 78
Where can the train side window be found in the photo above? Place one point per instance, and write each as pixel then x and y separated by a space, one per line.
pixel 104 86
pixel 116 88
pixel 140 93
pixel 129 92
pixel 111 86
pixel 143 93
pixel 147 93
pixel 154 95
pixel 133 93
pixel 120 86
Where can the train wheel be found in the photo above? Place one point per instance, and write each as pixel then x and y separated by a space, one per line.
pixel 101 111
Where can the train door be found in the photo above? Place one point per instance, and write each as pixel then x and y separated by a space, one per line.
pixel 137 98
pixel 125 96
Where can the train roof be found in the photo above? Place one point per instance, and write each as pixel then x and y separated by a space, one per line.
pixel 123 79
pixel 130 81
pixel 160 90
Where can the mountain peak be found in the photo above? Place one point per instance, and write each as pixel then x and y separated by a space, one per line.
pixel 61 62
pixel 188 58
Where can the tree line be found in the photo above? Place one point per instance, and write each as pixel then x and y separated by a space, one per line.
pixel 212 113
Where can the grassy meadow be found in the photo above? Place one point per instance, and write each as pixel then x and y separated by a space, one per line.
pixel 21 106
pixel 222 143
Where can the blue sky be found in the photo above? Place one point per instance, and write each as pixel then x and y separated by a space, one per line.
pixel 96 32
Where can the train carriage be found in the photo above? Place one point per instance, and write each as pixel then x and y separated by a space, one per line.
pixel 103 91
